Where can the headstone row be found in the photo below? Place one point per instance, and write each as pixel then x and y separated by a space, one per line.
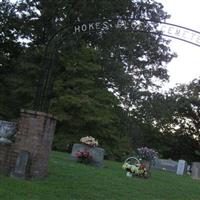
pixel 179 167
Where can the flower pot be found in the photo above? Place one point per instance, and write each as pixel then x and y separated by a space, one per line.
pixel 129 174
pixel 147 164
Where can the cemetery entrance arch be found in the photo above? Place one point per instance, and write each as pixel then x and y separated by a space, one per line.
pixel 42 97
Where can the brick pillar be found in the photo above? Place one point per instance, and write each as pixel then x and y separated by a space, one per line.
pixel 35 135
pixel 7 158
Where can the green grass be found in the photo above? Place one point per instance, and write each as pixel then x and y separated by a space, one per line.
pixel 68 180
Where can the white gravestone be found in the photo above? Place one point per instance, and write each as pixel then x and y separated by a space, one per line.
pixel 7 129
pixel 181 167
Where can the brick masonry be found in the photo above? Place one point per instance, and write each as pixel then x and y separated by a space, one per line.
pixel 35 135
pixel 7 158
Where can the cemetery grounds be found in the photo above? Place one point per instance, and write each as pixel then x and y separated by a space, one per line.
pixel 68 180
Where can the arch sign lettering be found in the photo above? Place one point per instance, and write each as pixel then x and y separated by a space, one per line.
pixel 167 29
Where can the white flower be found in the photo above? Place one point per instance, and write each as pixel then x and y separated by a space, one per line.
pixel 89 140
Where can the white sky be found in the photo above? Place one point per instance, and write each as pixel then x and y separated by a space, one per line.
pixel 186 66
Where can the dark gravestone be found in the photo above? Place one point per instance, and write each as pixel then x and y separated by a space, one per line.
pixel 21 166
pixel 166 164
pixel 195 170
pixel 96 153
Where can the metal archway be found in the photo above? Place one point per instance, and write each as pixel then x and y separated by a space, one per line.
pixel 42 97
pixel 174 31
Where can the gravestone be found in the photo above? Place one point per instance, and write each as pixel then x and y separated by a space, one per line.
pixel 181 167
pixel 166 164
pixel 7 129
pixel 21 166
pixel 195 170
pixel 96 153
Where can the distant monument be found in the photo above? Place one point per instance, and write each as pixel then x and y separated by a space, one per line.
pixel 7 129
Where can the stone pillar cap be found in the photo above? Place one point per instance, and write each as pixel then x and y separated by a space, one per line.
pixel 38 113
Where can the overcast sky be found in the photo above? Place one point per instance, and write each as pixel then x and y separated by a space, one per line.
pixel 187 66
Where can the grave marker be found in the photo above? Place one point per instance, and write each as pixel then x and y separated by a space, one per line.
pixel 181 167
pixel 21 166
pixel 96 153
pixel 166 164
pixel 195 170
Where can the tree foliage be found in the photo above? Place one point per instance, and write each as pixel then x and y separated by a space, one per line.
pixel 175 118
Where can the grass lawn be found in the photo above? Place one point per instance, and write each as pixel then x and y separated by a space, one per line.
pixel 68 180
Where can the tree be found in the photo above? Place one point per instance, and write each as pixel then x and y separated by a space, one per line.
pixel 84 104
pixel 187 114
pixel 130 59
pixel 94 74
pixel 174 117
pixel 10 50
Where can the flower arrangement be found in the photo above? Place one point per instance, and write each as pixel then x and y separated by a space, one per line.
pixel 89 140
pixel 83 156
pixel 135 170
pixel 146 153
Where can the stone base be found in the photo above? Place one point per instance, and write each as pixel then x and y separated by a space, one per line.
pixel 96 153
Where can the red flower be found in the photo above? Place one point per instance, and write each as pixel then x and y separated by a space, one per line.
pixel 142 167
pixel 83 154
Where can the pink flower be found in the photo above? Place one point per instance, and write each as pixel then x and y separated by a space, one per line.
pixel 83 155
